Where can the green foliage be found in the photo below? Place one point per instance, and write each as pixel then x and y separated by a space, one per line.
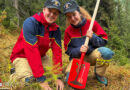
pixel 113 15
pixel 62 32
pixel 122 19
pixel 3 16
pixel 32 86
pixel 6 22
pixel 10 10
pixel 117 44
pixel 121 58
pixel 29 7
pixel 52 73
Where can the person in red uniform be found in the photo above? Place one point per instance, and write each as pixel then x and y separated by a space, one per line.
pixel 39 33
pixel 75 35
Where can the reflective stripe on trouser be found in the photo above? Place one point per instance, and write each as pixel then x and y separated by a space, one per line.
pixel 23 70
pixel 92 59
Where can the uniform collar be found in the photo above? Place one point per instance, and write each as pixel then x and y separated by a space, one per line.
pixel 40 18
pixel 82 23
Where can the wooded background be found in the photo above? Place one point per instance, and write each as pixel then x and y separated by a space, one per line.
pixel 113 15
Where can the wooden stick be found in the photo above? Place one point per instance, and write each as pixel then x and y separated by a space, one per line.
pixel 92 21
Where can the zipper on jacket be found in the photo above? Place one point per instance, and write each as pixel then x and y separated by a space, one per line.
pixel 82 39
pixel 48 27
pixel 81 32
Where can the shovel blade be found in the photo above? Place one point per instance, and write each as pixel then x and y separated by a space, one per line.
pixel 78 79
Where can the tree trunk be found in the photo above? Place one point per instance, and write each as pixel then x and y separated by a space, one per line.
pixel 17 12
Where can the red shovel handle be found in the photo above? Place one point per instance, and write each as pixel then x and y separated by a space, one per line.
pixel 82 58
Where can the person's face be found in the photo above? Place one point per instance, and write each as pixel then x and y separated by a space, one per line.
pixel 73 17
pixel 50 14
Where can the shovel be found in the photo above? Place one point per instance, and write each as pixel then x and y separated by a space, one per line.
pixel 79 69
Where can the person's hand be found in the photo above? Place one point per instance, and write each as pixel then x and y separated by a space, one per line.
pixel 59 85
pixel 89 34
pixel 83 48
pixel 45 86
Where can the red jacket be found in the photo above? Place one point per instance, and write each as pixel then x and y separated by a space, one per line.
pixel 75 37
pixel 36 37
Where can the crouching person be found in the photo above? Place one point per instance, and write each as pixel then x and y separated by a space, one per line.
pixel 38 35
pixel 75 34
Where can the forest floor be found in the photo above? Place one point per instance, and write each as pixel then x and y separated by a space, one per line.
pixel 118 76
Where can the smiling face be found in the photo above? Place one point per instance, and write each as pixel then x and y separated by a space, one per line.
pixel 73 17
pixel 50 14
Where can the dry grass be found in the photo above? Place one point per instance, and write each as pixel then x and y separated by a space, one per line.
pixel 118 76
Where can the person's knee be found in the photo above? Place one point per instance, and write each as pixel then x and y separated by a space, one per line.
pixel 95 54
pixel 93 57
pixel 106 53
pixel 22 68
